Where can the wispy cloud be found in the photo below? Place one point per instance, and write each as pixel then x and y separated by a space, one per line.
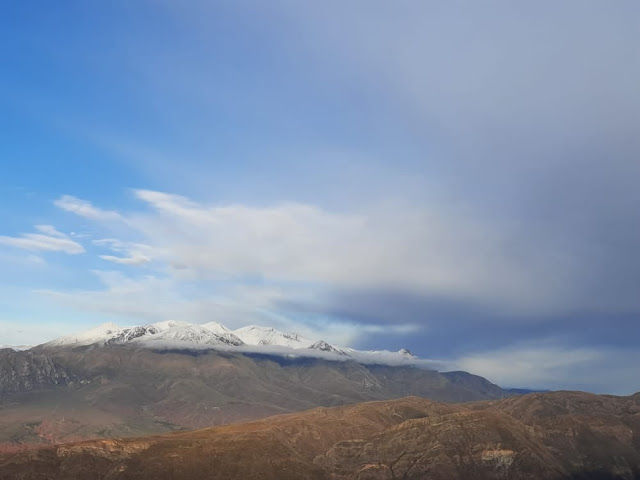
pixel 85 209
pixel 49 239
pixel 132 253
pixel 134 260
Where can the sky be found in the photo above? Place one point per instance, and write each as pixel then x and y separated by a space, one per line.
pixel 458 178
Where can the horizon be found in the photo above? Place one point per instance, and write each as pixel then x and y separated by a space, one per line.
pixel 456 179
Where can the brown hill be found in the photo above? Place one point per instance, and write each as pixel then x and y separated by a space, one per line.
pixel 61 395
pixel 558 435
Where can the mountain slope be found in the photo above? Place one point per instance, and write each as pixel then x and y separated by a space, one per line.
pixel 410 438
pixel 23 371
pixel 126 390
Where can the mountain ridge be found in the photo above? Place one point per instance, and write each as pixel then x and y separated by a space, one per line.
pixel 179 335
pixel 124 389
pixel 550 436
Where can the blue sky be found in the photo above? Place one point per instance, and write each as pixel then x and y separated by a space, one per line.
pixel 457 178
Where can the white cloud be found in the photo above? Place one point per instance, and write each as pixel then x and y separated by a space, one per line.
pixel 437 250
pixel 134 253
pixel 134 260
pixel 85 209
pixel 49 240
pixel 120 246
pixel 49 230
pixel 431 249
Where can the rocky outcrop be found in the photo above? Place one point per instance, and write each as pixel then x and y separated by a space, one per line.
pixel 127 334
pixel 26 371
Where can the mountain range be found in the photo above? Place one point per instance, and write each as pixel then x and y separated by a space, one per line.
pixel 114 381
pixel 214 335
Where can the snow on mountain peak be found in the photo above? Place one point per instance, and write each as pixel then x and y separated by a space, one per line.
pixel 406 352
pixel 325 347
pixel 253 338
pixel 101 333
pixel 216 327
pixel 165 325
pixel 107 333
pixel 257 335
pixel 196 334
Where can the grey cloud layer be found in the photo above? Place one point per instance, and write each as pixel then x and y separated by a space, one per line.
pixel 526 117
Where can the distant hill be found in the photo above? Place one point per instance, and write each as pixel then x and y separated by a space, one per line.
pixel 560 435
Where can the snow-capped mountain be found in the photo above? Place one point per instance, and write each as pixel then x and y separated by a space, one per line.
pixel 216 327
pixel 214 335
pixel 165 325
pixel 107 333
pixel 195 334
pixel 325 347
pixel 255 335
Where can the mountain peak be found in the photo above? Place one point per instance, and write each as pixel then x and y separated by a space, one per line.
pixel 258 335
pixel 193 334
pixel 325 347
pixel 166 324
pixel 406 352
pixel 216 327
pixel 102 333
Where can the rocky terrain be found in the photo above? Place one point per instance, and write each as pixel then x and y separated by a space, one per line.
pixel 560 435
pixel 26 371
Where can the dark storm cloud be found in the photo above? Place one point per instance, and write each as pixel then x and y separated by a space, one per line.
pixel 450 327
pixel 529 114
